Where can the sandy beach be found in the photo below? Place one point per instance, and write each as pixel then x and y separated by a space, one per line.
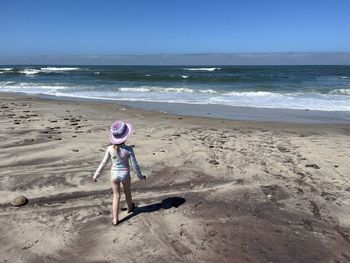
pixel 216 191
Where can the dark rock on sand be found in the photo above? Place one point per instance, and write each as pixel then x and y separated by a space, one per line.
pixel 313 165
pixel 215 162
pixel 19 201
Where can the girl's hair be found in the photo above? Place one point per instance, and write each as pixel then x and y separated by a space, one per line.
pixel 116 147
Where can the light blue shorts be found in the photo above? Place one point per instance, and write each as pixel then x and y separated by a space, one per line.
pixel 119 176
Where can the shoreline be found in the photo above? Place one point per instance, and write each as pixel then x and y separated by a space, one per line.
pixel 216 189
pixel 217 111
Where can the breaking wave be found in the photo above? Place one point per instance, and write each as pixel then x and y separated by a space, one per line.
pixel 202 69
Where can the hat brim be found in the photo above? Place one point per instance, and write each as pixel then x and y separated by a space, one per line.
pixel 119 140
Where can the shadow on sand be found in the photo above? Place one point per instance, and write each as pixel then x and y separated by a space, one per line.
pixel 167 203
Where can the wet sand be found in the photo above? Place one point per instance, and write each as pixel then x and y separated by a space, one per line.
pixel 216 190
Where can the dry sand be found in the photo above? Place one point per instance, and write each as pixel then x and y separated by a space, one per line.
pixel 217 190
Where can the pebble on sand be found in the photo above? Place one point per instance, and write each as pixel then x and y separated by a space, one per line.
pixel 19 201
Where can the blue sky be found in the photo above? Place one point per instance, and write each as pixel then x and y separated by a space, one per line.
pixel 76 27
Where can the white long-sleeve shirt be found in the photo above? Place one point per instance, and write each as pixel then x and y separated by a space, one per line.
pixel 120 168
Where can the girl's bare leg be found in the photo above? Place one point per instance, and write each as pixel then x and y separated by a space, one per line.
pixel 116 200
pixel 127 192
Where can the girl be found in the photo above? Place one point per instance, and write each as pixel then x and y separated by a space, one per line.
pixel 120 170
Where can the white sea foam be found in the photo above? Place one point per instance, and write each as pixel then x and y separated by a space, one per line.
pixel 57 69
pixel 208 91
pixel 344 77
pixel 201 69
pixel 253 94
pixel 147 89
pixel 97 73
pixel 336 101
pixel 323 102
pixel 184 76
pixel 341 91
pixel 6 69
pixel 5 83
pixel 30 71
pixel 29 87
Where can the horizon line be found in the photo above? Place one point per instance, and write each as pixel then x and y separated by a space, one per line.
pixel 234 58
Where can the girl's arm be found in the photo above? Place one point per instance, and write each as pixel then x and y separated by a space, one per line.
pixel 102 164
pixel 135 165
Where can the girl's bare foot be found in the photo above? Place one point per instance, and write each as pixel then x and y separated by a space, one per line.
pixel 132 208
pixel 115 221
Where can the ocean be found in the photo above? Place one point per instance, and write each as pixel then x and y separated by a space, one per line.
pixel 324 88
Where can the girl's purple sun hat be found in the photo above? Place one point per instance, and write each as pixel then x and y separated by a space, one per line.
pixel 119 132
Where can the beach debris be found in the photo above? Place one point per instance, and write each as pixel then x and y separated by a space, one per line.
pixel 308 225
pixel 215 162
pixel 19 201
pixel 274 192
pixel 75 150
pixel 239 181
pixel 313 165
pixel 199 203
pixel 328 196
pixel 29 244
pixel 315 209
pixel 283 148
